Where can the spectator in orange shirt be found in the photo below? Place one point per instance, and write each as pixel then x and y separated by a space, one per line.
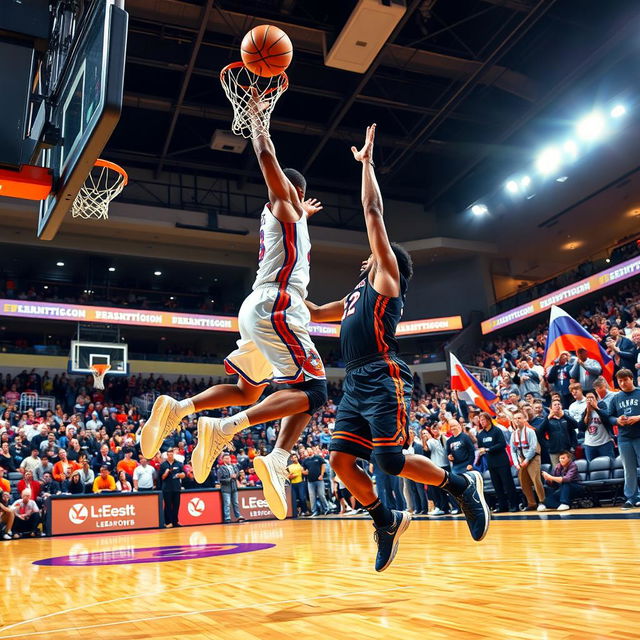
pixel 5 485
pixel 27 482
pixel 127 464
pixel 104 482
pixel 63 469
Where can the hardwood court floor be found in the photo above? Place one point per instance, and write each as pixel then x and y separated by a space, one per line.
pixel 541 579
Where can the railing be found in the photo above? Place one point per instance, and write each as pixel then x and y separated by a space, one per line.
pixel 482 374
pixel 32 400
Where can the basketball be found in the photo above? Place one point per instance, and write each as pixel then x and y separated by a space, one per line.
pixel 266 50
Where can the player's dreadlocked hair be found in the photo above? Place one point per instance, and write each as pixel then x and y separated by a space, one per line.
pixel 296 179
pixel 405 263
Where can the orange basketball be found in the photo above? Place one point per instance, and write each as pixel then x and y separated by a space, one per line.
pixel 266 50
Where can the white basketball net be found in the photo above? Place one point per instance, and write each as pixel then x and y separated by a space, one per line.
pixel 99 373
pixel 102 185
pixel 240 85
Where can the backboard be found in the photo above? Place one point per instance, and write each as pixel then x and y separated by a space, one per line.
pixel 85 108
pixel 85 354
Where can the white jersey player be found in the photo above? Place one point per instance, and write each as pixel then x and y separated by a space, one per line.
pixel 274 345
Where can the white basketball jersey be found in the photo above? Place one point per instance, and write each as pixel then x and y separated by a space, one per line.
pixel 284 252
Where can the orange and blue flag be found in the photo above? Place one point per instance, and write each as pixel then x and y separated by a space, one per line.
pixel 566 334
pixel 469 388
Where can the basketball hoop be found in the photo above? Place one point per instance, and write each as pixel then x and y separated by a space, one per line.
pixel 240 85
pixel 103 184
pixel 99 372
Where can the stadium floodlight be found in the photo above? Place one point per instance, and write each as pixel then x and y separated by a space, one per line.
pixel 525 182
pixel 157 273
pixel 512 186
pixel 591 127
pixel 479 209
pixel 60 264
pixel 112 269
pixel 549 160
pixel 618 111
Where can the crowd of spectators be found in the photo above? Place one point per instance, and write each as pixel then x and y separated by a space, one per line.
pixel 89 442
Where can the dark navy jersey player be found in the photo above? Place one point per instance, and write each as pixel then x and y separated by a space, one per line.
pixel 373 414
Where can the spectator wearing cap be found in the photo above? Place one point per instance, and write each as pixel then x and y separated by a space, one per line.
pixel 560 430
pixel 604 395
pixel 625 413
pixel 565 484
pixel 585 370
pixel 94 424
pixel 26 514
pixel 560 377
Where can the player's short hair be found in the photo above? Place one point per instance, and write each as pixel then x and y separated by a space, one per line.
pixel 296 179
pixel 405 263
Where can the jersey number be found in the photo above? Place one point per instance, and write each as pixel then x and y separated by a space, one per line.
pixel 350 304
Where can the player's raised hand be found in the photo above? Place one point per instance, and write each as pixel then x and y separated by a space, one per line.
pixel 365 154
pixel 312 206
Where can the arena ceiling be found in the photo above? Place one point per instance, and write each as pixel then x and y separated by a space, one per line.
pixel 458 91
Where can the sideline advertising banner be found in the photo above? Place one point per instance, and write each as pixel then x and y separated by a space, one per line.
pixel 103 512
pixel 253 506
pixel 173 320
pixel 593 283
pixel 200 507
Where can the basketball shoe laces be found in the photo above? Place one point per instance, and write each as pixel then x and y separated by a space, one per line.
pixel 221 440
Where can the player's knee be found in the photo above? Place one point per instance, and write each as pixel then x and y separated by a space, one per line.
pixel 340 461
pixel 316 391
pixel 390 462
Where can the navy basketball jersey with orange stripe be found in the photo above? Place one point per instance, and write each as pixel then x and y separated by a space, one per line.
pixel 378 385
pixel 369 321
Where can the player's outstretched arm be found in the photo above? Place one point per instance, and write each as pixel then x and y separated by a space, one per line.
pixel 387 280
pixel 282 194
pixel 330 312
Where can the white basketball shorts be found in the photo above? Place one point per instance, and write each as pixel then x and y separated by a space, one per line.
pixel 274 340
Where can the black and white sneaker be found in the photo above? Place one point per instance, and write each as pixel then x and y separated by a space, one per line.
pixel 474 506
pixel 387 539
pixel 627 505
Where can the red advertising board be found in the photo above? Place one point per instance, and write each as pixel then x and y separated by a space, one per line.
pixel 253 506
pixel 200 507
pixel 105 512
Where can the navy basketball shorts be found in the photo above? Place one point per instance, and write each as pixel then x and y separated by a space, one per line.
pixel 374 411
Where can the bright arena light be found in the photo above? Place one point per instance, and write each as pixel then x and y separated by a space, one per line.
pixel 512 186
pixel 60 264
pixel 618 111
pixel 479 209
pixel 525 182
pixel 549 160
pixel 571 149
pixel 591 127
pixel 157 273
pixel 112 269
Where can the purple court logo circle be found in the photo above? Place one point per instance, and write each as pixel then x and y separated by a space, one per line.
pixel 152 554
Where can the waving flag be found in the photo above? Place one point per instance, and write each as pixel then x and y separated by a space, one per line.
pixel 470 389
pixel 566 334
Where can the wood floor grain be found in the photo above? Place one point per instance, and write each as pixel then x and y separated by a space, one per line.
pixel 539 579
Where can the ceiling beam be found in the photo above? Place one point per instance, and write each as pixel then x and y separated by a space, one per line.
pixel 523 6
pixel 204 19
pixel 312 40
pixel 337 116
pixel 465 90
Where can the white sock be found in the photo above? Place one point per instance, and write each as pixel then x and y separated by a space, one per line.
pixel 233 424
pixel 281 456
pixel 185 407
